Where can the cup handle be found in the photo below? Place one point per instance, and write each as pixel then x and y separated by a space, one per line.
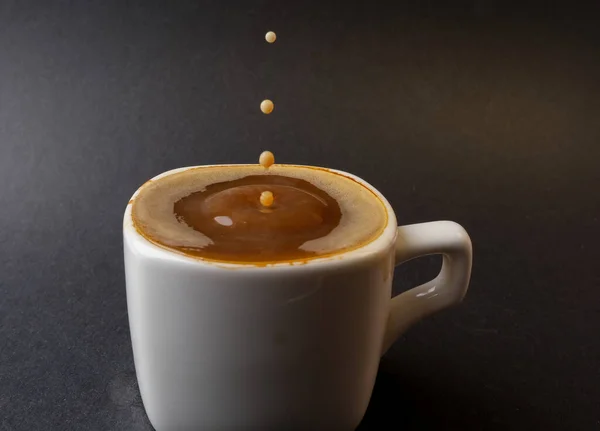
pixel 447 289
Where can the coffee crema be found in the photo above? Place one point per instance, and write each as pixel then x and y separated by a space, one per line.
pixel 216 213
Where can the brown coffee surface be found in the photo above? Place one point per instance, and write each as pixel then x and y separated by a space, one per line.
pixel 216 213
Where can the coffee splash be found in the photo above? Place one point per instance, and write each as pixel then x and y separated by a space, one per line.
pixel 267 199
pixel 244 227
pixel 266 159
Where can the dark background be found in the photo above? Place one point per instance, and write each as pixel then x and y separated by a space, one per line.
pixel 477 112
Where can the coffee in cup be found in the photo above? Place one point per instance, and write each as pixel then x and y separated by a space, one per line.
pixel 258 213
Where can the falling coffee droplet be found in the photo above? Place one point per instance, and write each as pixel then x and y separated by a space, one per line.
pixel 270 37
pixel 266 159
pixel 266 106
pixel 266 199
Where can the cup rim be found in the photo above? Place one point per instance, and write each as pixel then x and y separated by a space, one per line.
pixel 374 248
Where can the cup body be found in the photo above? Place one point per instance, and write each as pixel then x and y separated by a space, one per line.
pixel 222 346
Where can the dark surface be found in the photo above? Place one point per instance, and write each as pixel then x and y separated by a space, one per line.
pixel 481 114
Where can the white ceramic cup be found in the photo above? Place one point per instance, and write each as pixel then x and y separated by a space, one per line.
pixel 221 346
